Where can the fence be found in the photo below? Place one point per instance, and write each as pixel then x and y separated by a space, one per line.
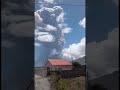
pixel 68 73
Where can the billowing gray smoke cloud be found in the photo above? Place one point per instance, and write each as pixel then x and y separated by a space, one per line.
pixel 49 33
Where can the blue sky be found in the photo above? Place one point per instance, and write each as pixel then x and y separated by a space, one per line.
pixel 73 15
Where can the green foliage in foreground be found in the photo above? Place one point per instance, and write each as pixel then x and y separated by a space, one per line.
pixel 58 83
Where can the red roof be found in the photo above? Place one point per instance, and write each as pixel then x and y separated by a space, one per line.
pixel 59 62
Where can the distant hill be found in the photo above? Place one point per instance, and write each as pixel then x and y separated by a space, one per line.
pixel 80 60
pixel 106 82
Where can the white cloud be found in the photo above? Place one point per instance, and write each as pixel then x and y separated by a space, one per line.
pixel 38 19
pixel 46 38
pixel 52 1
pixel 83 22
pixel 50 28
pixel 75 50
pixel 41 33
pixel 53 52
pixel 49 1
pixel 60 18
pixel 66 30
pixel 67 56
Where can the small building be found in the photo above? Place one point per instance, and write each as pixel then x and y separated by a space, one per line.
pixel 58 65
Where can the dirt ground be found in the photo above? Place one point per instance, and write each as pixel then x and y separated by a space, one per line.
pixel 41 83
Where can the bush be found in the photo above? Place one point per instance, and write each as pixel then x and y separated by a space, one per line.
pixel 58 83
pixel 76 65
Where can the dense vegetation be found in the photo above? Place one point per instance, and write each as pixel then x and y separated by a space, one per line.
pixel 76 65
pixel 58 83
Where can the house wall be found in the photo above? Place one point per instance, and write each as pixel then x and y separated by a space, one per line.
pixel 63 67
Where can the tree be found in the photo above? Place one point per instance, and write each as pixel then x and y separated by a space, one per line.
pixel 76 65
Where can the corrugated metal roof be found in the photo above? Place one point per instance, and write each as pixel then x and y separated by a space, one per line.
pixel 59 62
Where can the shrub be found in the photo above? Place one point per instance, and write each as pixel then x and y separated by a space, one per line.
pixel 76 65
pixel 58 83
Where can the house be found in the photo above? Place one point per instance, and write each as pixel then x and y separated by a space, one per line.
pixel 58 65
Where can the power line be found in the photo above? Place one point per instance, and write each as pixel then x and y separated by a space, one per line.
pixel 63 4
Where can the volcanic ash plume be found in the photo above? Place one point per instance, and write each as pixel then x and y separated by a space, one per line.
pixel 49 33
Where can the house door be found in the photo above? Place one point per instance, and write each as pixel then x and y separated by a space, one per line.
pixel 48 70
